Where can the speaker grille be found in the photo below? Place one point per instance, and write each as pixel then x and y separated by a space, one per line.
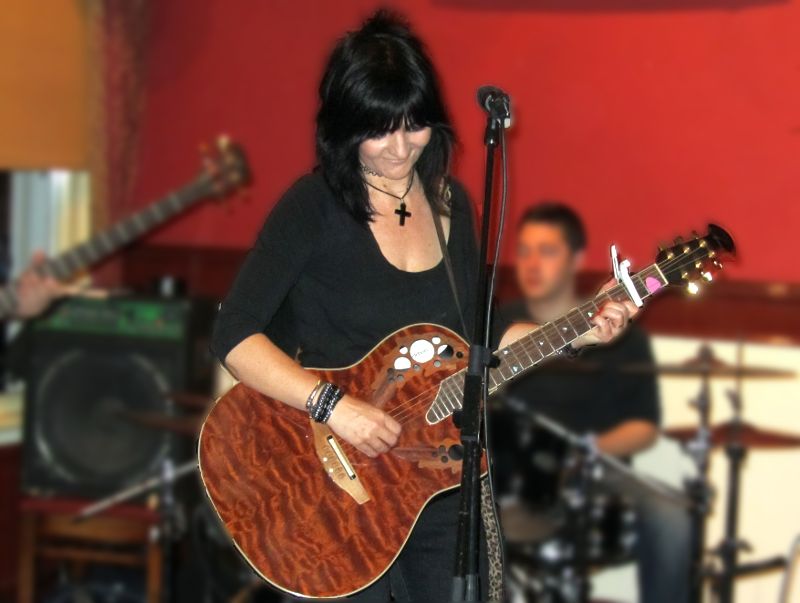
pixel 84 401
pixel 94 366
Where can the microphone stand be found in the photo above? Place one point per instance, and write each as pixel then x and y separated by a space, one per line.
pixel 465 579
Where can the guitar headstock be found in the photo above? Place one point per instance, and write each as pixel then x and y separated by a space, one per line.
pixel 225 163
pixel 687 263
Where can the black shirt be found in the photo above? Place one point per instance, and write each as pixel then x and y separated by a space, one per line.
pixel 599 396
pixel 317 284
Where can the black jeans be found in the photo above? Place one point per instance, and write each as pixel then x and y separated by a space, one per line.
pixel 423 572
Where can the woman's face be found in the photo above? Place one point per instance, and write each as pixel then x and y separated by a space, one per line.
pixel 393 156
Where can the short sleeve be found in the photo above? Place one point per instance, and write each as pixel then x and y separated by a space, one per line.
pixel 273 265
pixel 504 316
pixel 638 393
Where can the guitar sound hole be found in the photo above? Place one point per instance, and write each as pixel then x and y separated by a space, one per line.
pixel 456 452
pixel 445 351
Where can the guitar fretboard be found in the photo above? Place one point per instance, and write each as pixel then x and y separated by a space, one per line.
pixel 542 343
pixel 67 264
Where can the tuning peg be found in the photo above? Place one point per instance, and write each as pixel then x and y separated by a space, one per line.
pixel 678 240
pixel 695 235
pixel 708 276
pixel 693 288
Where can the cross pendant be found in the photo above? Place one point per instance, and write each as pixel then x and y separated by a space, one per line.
pixel 401 211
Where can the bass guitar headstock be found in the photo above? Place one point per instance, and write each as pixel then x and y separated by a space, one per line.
pixel 688 263
pixel 225 165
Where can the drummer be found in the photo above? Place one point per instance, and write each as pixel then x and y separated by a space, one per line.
pixel 622 413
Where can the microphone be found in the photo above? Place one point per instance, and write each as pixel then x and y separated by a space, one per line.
pixel 495 102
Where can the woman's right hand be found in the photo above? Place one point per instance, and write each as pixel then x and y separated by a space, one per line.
pixel 367 428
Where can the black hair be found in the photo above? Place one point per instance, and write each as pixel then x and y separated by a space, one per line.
pixel 559 214
pixel 378 79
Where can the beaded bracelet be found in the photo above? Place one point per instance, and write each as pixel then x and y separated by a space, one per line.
pixel 328 399
pixel 329 396
pixel 318 407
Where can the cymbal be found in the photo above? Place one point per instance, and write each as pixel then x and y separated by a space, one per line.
pixel 188 426
pixel 702 365
pixel 683 370
pixel 749 435
pixel 706 364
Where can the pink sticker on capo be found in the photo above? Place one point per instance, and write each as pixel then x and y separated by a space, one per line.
pixel 652 284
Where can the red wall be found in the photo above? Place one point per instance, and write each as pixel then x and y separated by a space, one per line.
pixel 651 122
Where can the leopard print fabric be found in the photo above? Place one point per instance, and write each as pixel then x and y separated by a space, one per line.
pixel 494 546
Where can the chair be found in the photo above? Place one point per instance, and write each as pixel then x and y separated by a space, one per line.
pixel 126 535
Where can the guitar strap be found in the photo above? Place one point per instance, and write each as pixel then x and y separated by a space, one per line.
pixel 437 221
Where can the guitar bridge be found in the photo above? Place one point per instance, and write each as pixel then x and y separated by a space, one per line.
pixel 336 464
pixel 348 468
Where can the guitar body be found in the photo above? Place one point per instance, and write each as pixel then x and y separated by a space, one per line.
pixel 311 514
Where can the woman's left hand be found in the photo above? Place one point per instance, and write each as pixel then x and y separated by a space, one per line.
pixel 610 322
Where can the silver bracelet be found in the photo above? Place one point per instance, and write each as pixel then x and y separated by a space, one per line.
pixel 312 397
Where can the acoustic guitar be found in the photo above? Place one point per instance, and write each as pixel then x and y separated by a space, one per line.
pixel 315 517
pixel 224 170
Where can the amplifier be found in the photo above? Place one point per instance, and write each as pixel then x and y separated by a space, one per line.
pixel 92 366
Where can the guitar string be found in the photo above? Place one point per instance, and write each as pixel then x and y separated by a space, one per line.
pixel 448 386
pixel 404 410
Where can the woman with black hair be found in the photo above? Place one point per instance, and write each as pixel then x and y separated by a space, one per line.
pixel 350 254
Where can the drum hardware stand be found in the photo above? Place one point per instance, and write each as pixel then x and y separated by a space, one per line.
pixel 724 581
pixel 701 492
pixel 699 488
pixel 151 483
pixel 791 566
pixel 172 518
pixel 173 523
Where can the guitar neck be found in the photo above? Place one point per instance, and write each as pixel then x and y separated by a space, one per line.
pixel 105 243
pixel 543 342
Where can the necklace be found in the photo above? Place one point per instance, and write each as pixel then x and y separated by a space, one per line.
pixel 400 211
pixel 370 171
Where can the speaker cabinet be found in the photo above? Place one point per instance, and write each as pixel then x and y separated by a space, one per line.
pixel 94 366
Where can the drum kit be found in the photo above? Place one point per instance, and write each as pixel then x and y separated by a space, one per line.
pixel 569 510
